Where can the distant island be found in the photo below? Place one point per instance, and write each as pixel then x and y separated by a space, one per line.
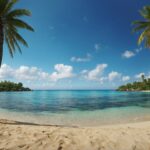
pixel 6 86
pixel 144 85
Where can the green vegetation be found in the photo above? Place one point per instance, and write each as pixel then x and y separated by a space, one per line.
pixel 144 26
pixel 10 86
pixel 10 24
pixel 136 86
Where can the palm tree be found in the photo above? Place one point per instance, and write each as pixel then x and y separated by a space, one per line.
pixel 9 26
pixel 143 77
pixel 144 26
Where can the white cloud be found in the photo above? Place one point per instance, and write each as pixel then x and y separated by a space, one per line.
pixel 95 74
pixel 113 76
pixel 30 73
pixel 125 78
pixel 138 76
pixel 35 77
pixel 23 73
pixel 128 54
pixel 62 71
pixel 6 72
pixel 78 59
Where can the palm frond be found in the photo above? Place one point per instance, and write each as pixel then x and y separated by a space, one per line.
pixel 9 46
pixel 20 38
pixel 9 6
pixel 137 22
pixel 3 4
pixel 145 12
pixel 141 26
pixel 17 45
pixel 147 42
pixel 21 24
pixel 18 13
pixel 14 32
pixel 12 41
pixel 141 38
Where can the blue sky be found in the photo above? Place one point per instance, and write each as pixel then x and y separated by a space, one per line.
pixel 80 44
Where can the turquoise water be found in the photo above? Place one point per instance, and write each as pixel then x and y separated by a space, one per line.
pixel 76 107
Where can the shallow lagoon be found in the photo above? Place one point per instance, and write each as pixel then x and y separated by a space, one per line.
pixel 76 107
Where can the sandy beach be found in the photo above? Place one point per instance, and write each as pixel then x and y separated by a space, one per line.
pixel 18 135
pixel 147 91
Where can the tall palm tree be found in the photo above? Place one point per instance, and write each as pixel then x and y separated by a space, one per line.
pixel 144 27
pixel 9 26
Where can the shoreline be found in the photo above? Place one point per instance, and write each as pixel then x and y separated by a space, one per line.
pixel 81 118
pixel 23 135
pixel 133 91
pixel 146 91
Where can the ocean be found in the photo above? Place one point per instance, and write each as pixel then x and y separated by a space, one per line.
pixel 75 107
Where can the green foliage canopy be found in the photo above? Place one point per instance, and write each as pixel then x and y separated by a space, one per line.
pixel 10 86
pixel 136 86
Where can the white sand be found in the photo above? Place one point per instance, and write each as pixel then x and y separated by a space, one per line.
pixel 21 136
pixel 146 91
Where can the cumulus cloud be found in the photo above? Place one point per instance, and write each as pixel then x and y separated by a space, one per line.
pixel 128 54
pixel 6 72
pixel 22 73
pixel 28 74
pixel 95 74
pixel 62 71
pixel 125 78
pixel 113 76
pixel 87 58
pixel 36 78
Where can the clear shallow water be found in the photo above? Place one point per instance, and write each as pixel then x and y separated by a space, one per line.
pixel 75 107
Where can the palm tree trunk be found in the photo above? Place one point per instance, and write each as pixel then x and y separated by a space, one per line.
pixel 1 41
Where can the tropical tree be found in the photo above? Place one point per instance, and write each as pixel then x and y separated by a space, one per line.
pixel 136 86
pixel 144 27
pixel 143 77
pixel 10 23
